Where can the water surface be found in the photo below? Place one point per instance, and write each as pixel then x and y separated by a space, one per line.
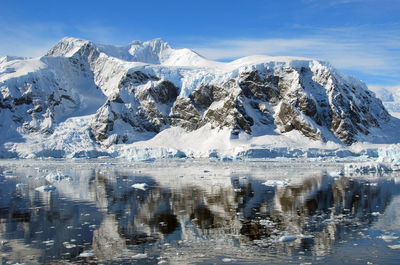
pixel 198 212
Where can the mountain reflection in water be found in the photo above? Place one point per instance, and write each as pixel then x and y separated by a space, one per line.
pixel 96 215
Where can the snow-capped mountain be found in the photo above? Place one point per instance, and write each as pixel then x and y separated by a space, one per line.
pixel 390 97
pixel 83 98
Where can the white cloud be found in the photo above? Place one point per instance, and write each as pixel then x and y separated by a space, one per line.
pixel 31 40
pixel 369 51
pixel 28 40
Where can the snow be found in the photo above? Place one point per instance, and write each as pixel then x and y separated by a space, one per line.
pixel 19 68
pixel 71 137
pixel 390 96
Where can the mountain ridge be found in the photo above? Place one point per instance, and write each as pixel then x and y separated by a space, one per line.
pixel 131 93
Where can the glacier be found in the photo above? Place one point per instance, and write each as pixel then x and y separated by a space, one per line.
pixel 146 100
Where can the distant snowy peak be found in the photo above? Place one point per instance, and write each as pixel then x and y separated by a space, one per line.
pixel 151 52
pixel 390 97
pixel 157 52
pixel 9 58
pixel 67 47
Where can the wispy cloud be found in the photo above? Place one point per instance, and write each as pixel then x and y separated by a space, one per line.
pixel 369 51
pixel 372 53
pixel 96 32
pixel 28 40
pixel 330 3
pixel 31 40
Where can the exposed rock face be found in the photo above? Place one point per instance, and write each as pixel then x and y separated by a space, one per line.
pixel 290 99
pixel 135 96
pixel 33 108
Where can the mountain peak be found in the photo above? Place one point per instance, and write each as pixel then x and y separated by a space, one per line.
pixel 152 51
pixel 156 51
pixel 67 47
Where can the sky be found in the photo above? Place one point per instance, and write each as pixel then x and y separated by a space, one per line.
pixel 359 37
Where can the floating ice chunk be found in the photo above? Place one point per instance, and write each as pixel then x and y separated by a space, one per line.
pixel 336 173
pixel 86 254
pixel 21 185
pixel 394 247
pixel 140 186
pixel 305 236
pixel 287 238
pixel 69 245
pixel 48 242
pixel 46 188
pixel 226 158
pixel 140 256
pixel 55 176
pixel 275 183
pixel 388 238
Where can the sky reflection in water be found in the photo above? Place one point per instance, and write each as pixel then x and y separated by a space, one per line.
pixel 196 212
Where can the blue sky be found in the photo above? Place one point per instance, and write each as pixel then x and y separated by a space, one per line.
pixel 360 37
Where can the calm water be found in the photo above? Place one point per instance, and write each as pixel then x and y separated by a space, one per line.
pixel 199 212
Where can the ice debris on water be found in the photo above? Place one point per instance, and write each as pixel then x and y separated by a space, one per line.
pixel 48 242
pixel 86 254
pixel 287 238
pixel 21 185
pixel 336 173
pixel 305 236
pixel 69 245
pixel 46 188
pixel 275 183
pixel 140 186
pixel 140 256
pixel 388 238
pixel 56 176
pixel 395 247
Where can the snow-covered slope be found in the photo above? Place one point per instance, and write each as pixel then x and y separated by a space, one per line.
pixel 390 97
pixel 87 99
